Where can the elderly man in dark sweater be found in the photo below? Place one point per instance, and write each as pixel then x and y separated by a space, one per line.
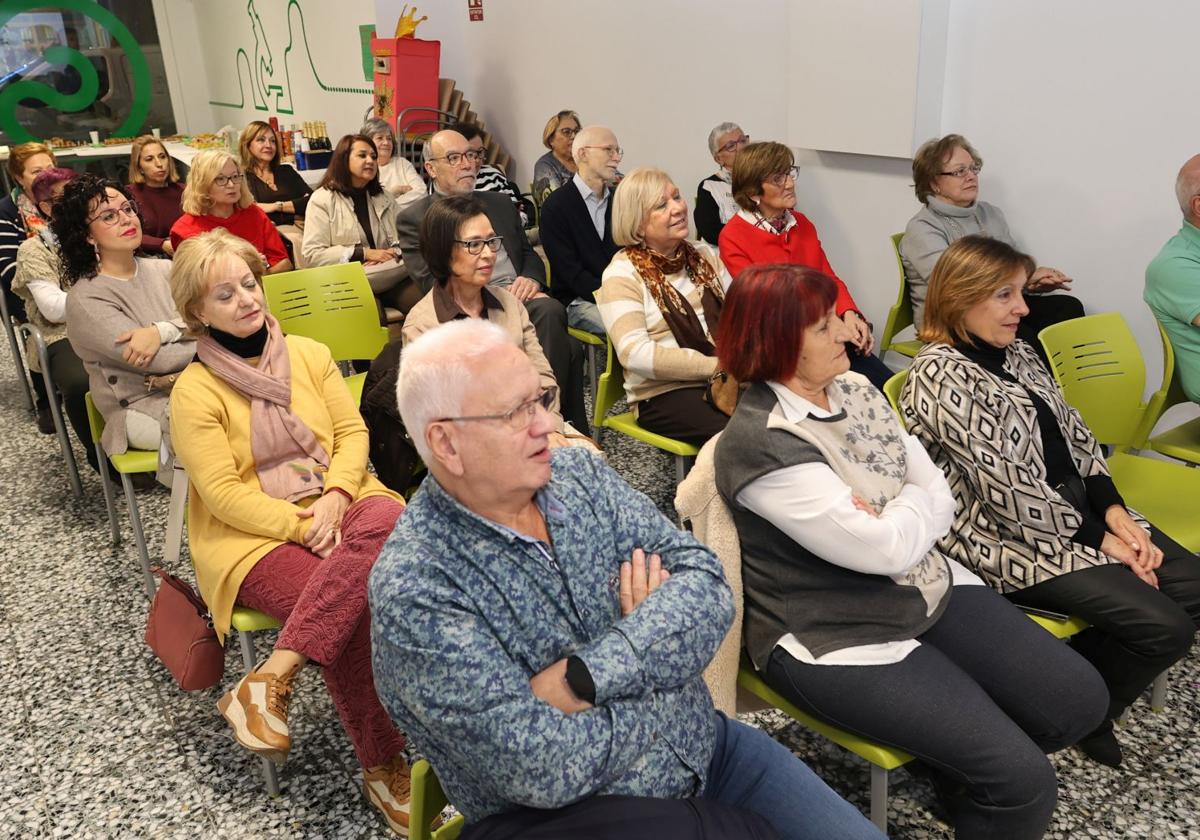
pixel 576 227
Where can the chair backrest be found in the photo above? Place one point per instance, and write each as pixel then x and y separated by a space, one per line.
pixel 1098 365
pixel 892 389
pixel 610 387
pixel 95 418
pixel 332 304
pixel 900 316
pixel 1169 393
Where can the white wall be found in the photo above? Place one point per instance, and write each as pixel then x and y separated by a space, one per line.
pixel 205 66
pixel 655 72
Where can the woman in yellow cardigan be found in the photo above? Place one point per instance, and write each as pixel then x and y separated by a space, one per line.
pixel 283 516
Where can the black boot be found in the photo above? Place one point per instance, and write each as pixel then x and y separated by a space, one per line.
pixel 1102 746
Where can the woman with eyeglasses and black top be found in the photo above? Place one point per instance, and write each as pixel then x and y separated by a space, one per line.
pixel 351 218
pixel 714 195
pixel 216 196
pixel 946 180
pixel 557 166
pixel 121 320
pixel 768 229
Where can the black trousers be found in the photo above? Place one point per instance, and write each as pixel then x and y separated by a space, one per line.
pixel 1045 310
pixel 565 355
pixel 682 414
pixel 981 701
pixel 1137 631
pixel 869 365
pixel 71 380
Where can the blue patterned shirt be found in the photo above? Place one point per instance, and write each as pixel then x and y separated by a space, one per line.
pixel 465 612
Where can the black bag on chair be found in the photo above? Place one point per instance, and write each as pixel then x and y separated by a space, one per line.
pixel 391 450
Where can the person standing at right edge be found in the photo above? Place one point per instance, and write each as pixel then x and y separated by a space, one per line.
pixel 1037 513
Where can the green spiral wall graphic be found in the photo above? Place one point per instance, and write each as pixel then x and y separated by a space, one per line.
pixel 90 85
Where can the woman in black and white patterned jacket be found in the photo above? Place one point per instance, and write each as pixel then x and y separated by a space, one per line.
pixel 1038 516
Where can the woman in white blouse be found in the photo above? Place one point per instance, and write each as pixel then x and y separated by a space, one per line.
pixel 397 175
pixel 852 612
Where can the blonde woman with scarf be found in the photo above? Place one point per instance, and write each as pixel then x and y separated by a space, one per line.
pixel 283 516
pixel 660 299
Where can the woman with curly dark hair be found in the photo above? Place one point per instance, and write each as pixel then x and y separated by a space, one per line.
pixel 121 320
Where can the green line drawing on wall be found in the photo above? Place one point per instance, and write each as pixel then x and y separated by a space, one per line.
pixel 270 92
pixel 89 85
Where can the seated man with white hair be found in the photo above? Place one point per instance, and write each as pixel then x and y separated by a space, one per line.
pixel 576 227
pixel 714 196
pixel 539 629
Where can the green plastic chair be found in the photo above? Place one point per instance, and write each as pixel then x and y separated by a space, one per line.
pixel 1180 442
pixel 900 316
pixel 126 464
pixel 332 304
pixel 1098 365
pixel 610 388
pixel 428 800
pixel 883 759
pixel 892 389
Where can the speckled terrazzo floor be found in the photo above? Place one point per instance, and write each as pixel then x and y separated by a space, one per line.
pixel 97 741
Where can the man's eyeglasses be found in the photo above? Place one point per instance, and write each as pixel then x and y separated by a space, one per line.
pixel 226 180
pixel 733 145
pixel 611 151
pixel 781 178
pixel 474 247
pixel 520 417
pixel 109 217
pixel 455 158
pixel 962 171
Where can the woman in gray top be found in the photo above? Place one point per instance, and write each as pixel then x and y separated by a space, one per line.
pixel 121 320
pixel 946 180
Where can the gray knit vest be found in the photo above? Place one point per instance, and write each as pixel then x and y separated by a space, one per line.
pixel 788 589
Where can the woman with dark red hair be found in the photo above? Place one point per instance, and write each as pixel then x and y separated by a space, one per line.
pixel 852 612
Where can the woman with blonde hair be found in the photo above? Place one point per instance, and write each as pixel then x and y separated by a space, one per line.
pixel 155 186
pixel 216 196
pixel 557 166
pixel 660 299
pixel 283 516
pixel 1038 516
pixel 278 189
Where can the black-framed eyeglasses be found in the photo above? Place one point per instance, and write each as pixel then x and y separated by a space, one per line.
pixel 474 247
pixel 735 144
pixel 455 158
pixel 611 151
pixel 226 180
pixel 109 217
pixel 962 171
pixel 521 416
pixel 781 178
pixel 568 132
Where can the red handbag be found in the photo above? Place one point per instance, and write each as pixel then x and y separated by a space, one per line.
pixel 180 632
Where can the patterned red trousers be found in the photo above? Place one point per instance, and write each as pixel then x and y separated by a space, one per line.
pixel 323 607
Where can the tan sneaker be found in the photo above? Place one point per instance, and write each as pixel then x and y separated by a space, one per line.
pixel 387 787
pixel 257 709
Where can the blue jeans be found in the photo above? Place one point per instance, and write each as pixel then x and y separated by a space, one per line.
pixel 585 315
pixel 751 770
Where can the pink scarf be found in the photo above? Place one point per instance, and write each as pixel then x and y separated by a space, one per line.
pixel 290 462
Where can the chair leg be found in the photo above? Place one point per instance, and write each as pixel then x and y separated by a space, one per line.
pixel 18 360
pixel 60 429
pixel 249 659
pixel 683 465
pixel 879 797
pixel 109 504
pixel 176 510
pixel 139 536
pixel 593 368
pixel 1158 692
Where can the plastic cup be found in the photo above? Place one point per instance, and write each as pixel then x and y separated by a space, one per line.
pixel 157 133
pixel 95 135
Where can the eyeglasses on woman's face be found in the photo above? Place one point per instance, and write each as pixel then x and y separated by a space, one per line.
pixel 474 247
pixel 735 144
pixel 227 180
pixel 963 171
pixel 520 417
pixel 781 178
pixel 112 215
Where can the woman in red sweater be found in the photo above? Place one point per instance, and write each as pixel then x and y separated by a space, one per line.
pixel 768 229
pixel 216 195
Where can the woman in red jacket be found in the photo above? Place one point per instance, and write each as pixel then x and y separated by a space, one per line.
pixel 768 229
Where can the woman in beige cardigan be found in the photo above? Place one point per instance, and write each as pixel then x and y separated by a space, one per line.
pixel 460 247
